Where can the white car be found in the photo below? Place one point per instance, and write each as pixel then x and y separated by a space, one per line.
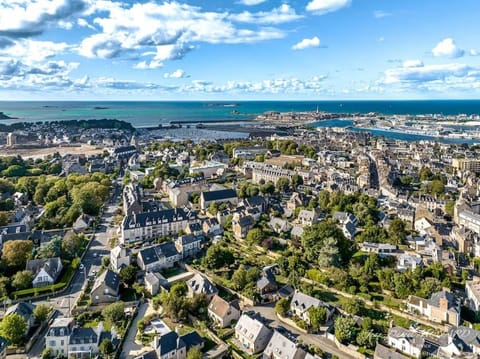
pixel 95 254
pixel 81 266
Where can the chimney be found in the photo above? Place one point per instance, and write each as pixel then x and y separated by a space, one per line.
pixel 444 304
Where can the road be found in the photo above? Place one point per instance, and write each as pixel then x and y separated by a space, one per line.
pixel 92 262
pixel 268 313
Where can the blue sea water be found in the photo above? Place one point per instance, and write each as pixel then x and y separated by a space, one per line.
pixel 142 114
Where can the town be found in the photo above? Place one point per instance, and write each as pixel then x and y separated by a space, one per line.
pixel 313 243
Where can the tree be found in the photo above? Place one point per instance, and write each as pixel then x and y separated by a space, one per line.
pixel 106 347
pixel 47 353
pixel 317 316
pixel 366 338
pixel 345 331
pixel 403 285
pixel 436 187
pixel 128 274
pixel 450 208
pixel 71 243
pixel 239 278
pixel 396 231
pixel 4 282
pixel 194 353
pixel 213 208
pixel 352 306
pixel 113 312
pixel 297 180
pixel 22 279
pixel 428 286
pixel 267 188
pixel 51 249
pixel 41 312
pixel 282 306
pixel 255 236
pixel 13 327
pixel 283 184
pixel 4 218
pixel 217 257
pixel 15 253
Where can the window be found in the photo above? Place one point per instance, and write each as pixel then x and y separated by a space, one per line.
pixel 62 342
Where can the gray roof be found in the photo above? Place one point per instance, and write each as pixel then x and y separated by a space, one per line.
pixel 22 308
pixel 110 279
pixel 169 342
pixel 3 344
pixel 465 338
pixel 414 339
pixel 382 352
pixel 153 254
pixel 282 347
pixel 170 215
pixel 452 300
pixel 304 302
pixel 53 266
pixel 200 284
pixel 83 336
pixel 219 195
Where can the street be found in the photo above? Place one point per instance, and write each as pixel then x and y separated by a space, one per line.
pixel 92 262
pixel 268 313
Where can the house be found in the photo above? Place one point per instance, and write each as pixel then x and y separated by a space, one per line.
pixel 406 341
pixel 223 313
pixel 301 303
pixel 280 347
pixel 241 224
pixel 297 199
pixel 153 282
pixel 308 217
pixel 472 289
pixel 252 335
pixel 211 227
pixel 3 348
pixel 442 306
pixel 66 339
pixel 279 225
pixel 407 261
pixel 150 225
pixel 158 257
pixel 382 352
pixel 106 288
pixel 188 245
pixel 344 217
pixel 461 341
pixel 382 249
pixel 25 310
pixel 173 346
pixel 422 224
pixel 258 202
pixel 201 285
pixel 45 271
pixel 83 222
pixel 119 258
pixel 266 283
pixel 219 196
pixel 349 229
pixel 132 199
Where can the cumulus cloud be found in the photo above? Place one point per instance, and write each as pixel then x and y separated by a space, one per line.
pixel 26 18
pixel 170 28
pixel 251 2
pixel 31 51
pixel 177 74
pixel 321 7
pixel 447 48
pixel 472 52
pixel 282 14
pixel 428 73
pixel 307 43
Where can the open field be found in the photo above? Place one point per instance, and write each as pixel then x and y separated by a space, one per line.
pixel 41 152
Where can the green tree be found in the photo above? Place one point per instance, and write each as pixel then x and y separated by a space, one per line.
pixel 13 328
pixel 72 243
pixel 255 236
pixel 41 312
pixel 283 184
pixel 345 330
pixel 4 218
pixel 366 339
pixel 14 171
pixel 51 249
pixel 267 188
pixel 47 353
pixel 403 285
pixel 239 278
pixel 114 312
pixel 106 347
pixel 128 274
pixel 428 286
pixel 282 306
pixel 194 353
pixel 436 187
pixel 352 306
pixel 396 231
pixel 217 257
pixel 449 208
pixel 297 180
pixel 15 253
pixel 22 279
pixel 317 316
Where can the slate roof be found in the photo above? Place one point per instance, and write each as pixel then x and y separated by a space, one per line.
pixel 200 284
pixel 415 340
pixel 219 195
pixel 170 215
pixel 282 347
pixel 464 337
pixel 192 339
pixel 83 336
pixel 153 254
pixel 22 308
pixel 187 239
pixel 169 342
pixel 111 280
pixel 152 354
pixel 53 266
pixel 304 302
pixel 382 352
pixel 220 306
pixel 435 300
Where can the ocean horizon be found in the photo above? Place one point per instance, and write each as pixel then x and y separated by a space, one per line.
pixel 154 113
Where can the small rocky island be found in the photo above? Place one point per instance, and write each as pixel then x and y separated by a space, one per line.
pixel 6 117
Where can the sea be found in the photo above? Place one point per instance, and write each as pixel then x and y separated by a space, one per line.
pixel 154 113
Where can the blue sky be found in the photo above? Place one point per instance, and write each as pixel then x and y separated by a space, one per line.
pixel 243 49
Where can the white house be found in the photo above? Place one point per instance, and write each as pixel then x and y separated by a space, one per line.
pixel 251 334
pixel 301 303
pixel 472 289
pixel 222 312
pixel 45 271
pixel 119 258
pixel 406 341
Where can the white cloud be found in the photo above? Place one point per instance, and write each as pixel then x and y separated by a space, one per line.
pixel 145 65
pixel 284 13
pixel 447 48
pixel 428 73
pixel 413 63
pixel 31 51
pixel 325 6
pixel 26 18
pixel 251 2
pixel 473 52
pixel 177 74
pixel 379 14
pixel 307 43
